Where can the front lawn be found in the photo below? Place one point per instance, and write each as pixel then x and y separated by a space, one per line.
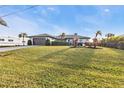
pixel 60 66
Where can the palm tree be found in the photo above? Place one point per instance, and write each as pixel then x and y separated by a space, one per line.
pixel 75 40
pixel 2 22
pixel 98 33
pixel 62 36
pixel 109 35
pixel 23 35
pixel 95 39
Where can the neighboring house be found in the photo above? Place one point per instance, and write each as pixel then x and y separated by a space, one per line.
pixel 81 39
pixel 41 39
pixel 122 35
pixel 9 41
pixel 12 41
pixel 25 42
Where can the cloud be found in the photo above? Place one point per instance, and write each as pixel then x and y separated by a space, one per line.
pixel 53 28
pixel 107 10
pixel 18 25
pixel 51 9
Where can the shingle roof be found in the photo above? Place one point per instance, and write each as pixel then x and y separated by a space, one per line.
pixel 42 35
pixel 122 35
pixel 58 37
pixel 72 36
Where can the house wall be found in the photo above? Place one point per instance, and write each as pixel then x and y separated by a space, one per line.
pixel 13 41
pixel 9 41
pixel 41 40
pixel 25 41
pixel 79 40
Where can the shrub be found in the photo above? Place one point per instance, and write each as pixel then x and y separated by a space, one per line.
pixel 121 45
pixel 47 43
pixel 60 43
pixel 113 42
pixel 29 42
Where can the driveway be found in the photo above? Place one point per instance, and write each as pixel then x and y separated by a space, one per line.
pixel 4 49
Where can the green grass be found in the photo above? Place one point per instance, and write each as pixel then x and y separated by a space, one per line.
pixel 60 66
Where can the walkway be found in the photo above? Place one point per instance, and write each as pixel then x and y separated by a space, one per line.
pixel 4 49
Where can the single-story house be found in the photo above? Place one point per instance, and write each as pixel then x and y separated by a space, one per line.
pixel 9 41
pixel 38 40
pixel 41 39
pixel 13 41
pixel 81 39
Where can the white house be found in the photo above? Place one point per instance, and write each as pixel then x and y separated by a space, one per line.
pixel 12 41
pixel 81 39
pixel 41 39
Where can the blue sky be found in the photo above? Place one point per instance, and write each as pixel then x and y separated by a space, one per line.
pixel 84 20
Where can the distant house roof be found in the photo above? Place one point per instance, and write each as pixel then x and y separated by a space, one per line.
pixel 42 35
pixel 72 36
pixel 58 37
pixel 122 35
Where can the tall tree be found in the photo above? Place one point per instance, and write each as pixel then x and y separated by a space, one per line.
pixel 75 39
pixel 62 36
pixel 23 35
pixel 109 35
pixel 2 22
pixel 98 33
pixel 95 40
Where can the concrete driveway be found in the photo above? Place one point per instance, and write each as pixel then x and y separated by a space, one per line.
pixel 4 49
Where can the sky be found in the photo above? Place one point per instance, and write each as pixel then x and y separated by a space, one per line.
pixel 56 19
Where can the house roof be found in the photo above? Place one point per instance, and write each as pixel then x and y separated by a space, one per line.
pixel 42 35
pixel 72 36
pixel 58 37
pixel 122 35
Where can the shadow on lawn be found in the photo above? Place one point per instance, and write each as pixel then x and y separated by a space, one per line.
pixel 75 59
pixel 4 54
pixel 55 53
pixel 95 48
pixel 82 60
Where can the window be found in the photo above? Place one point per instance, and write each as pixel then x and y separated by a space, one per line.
pixel 10 40
pixel 2 39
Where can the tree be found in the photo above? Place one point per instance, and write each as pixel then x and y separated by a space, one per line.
pixel 62 36
pixel 109 35
pixel 75 40
pixel 23 35
pixel 29 42
pixel 95 41
pixel 47 43
pixel 98 33
pixel 2 22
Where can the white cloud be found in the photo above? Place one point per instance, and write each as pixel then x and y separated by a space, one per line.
pixel 51 9
pixel 53 28
pixel 106 10
pixel 18 25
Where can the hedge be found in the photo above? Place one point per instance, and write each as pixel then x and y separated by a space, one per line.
pixel 60 43
pixel 113 42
